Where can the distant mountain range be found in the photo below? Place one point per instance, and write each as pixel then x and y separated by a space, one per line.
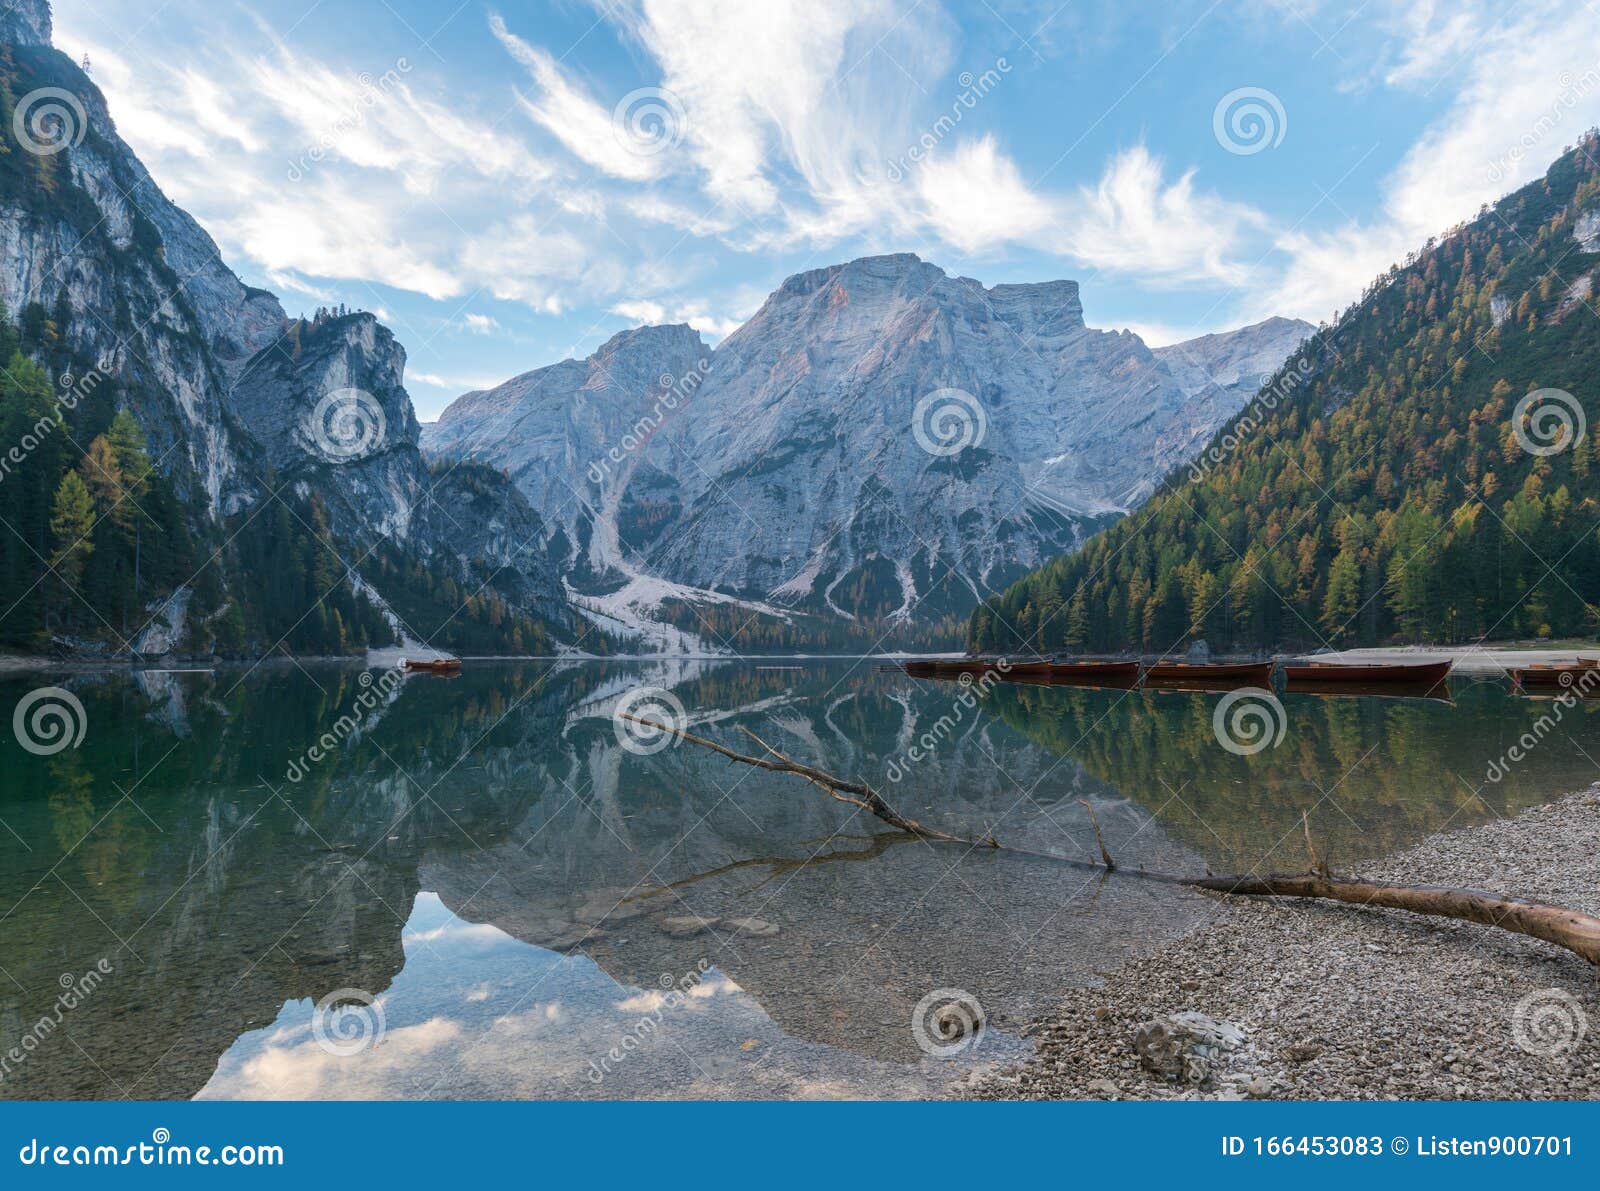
pixel 878 449
pixel 1424 469
pixel 789 469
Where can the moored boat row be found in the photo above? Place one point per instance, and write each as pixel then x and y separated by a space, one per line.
pixel 1426 679
pixel 1411 677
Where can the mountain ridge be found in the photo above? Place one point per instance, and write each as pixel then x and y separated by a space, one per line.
pixel 790 473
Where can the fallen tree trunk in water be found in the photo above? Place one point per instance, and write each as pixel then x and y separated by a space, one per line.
pixel 1577 932
pixel 1571 929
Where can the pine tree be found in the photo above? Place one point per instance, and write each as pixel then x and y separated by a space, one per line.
pixel 71 526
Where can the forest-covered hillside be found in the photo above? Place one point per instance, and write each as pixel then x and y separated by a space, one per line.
pixel 1417 471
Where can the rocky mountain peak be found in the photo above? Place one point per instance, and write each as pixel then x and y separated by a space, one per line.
pixel 671 340
pixel 889 294
pixel 804 468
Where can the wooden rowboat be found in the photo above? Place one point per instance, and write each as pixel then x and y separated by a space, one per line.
pixel 1582 676
pixel 430 665
pixel 951 668
pixel 1434 692
pixel 1425 674
pixel 1028 669
pixel 1067 671
pixel 1237 673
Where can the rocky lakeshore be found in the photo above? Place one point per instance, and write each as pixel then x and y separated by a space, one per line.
pixel 1335 1002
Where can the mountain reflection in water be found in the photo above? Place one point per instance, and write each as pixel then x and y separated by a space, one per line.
pixel 483 861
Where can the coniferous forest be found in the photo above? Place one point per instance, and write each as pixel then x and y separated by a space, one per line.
pixel 1380 488
pixel 94 539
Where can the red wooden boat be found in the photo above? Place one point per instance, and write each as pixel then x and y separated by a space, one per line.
pixel 1424 674
pixel 950 666
pixel 1068 671
pixel 1239 673
pixel 1582 676
pixel 431 665
pixel 1436 692
pixel 1028 669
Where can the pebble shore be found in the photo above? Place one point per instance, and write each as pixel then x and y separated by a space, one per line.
pixel 1344 1003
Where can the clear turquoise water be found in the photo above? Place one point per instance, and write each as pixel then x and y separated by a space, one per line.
pixel 484 863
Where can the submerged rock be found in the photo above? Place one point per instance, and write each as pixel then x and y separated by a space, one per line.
pixel 1184 1047
pixel 686 927
pixel 758 927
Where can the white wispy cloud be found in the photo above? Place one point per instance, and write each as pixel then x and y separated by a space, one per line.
pixel 571 114
pixel 645 312
pixel 1524 83
pixel 318 174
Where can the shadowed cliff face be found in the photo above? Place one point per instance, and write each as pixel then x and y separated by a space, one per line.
pixel 471 850
pixel 808 468
pixel 234 397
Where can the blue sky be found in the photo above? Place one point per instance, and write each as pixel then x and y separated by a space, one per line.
pixel 511 183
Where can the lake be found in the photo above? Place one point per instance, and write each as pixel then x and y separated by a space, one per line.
pixel 317 881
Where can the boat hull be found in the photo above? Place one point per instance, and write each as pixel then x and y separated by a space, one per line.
pixel 1582 679
pixel 442 666
pixel 1095 671
pixel 1222 673
pixel 1438 692
pixel 1428 674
